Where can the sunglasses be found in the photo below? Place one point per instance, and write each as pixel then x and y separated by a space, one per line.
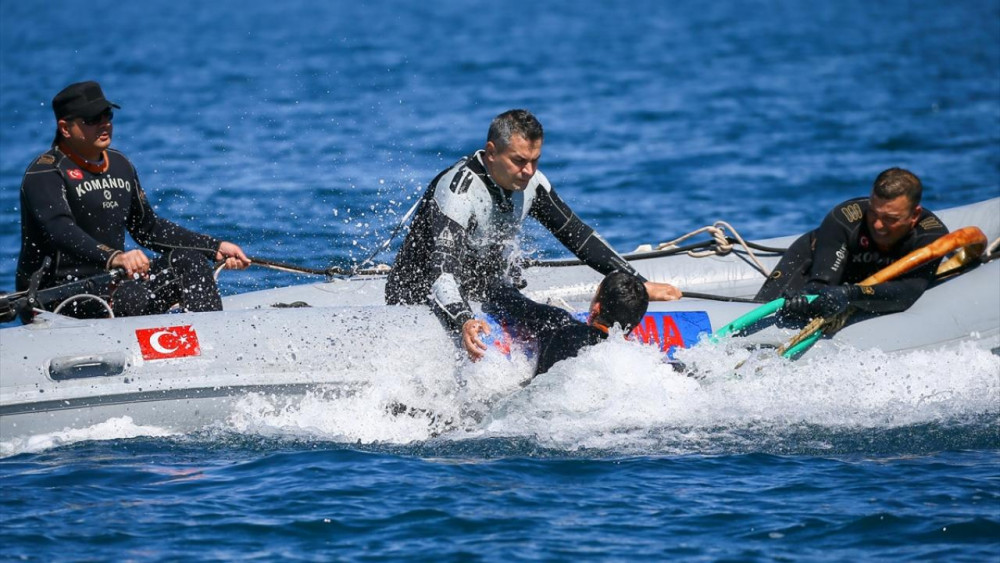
pixel 99 118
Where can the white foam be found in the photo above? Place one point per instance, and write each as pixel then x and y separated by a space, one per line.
pixel 618 395
pixel 621 395
pixel 408 400
pixel 111 429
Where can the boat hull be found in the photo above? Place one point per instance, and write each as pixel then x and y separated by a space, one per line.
pixel 185 372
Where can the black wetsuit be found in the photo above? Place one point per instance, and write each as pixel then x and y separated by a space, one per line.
pixel 78 218
pixel 463 240
pixel 841 251
pixel 558 334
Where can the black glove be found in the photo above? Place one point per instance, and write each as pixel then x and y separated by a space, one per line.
pixel 829 301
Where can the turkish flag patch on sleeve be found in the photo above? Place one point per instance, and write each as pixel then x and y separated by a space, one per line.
pixel 168 342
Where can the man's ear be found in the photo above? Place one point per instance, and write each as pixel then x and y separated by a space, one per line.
pixel 63 127
pixel 491 150
pixel 595 311
pixel 917 210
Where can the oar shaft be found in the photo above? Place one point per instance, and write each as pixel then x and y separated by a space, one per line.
pixel 964 237
pixel 283 267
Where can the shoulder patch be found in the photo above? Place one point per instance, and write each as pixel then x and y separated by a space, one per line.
pixel 931 224
pixel 852 212
pixel 460 184
pixel 45 159
pixel 446 239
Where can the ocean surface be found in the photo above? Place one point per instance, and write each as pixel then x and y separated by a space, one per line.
pixel 303 131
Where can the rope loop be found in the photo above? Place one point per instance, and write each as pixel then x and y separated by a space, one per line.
pixel 722 245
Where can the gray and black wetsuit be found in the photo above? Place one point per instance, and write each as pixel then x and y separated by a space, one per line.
pixel 464 239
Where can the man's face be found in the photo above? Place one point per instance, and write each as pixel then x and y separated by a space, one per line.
pixel 88 137
pixel 889 220
pixel 514 166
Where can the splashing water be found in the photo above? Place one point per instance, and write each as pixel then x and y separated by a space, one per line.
pixel 112 429
pixel 622 397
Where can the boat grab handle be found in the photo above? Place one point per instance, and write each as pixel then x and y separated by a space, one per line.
pixel 94 365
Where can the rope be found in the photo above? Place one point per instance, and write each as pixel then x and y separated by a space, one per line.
pixel 722 244
pixel 84 297
pixel 358 269
pixel 992 247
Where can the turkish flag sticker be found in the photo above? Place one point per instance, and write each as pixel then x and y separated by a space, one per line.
pixel 75 173
pixel 168 342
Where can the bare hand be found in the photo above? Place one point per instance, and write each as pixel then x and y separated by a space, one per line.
pixel 662 291
pixel 134 262
pixel 470 338
pixel 233 255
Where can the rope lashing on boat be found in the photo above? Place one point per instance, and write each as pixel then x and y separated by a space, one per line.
pixel 722 245
pixel 992 248
pixel 358 269
pixel 83 297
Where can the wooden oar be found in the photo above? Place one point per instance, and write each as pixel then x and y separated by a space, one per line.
pixel 970 240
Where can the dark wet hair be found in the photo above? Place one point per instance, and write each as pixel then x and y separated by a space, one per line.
pixel 514 122
pixel 896 182
pixel 623 299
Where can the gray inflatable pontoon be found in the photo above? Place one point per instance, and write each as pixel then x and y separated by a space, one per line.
pixel 185 371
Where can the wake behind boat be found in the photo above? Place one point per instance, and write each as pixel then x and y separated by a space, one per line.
pixel 185 372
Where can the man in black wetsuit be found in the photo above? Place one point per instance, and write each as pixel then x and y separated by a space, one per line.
pixel 621 299
pixel 463 241
pixel 78 199
pixel 858 238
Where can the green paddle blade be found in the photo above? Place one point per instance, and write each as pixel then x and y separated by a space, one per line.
pixel 750 318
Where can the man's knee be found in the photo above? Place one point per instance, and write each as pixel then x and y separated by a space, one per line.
pixel 791 272
pixel 399 293
pixel 131 299
pixel 184 261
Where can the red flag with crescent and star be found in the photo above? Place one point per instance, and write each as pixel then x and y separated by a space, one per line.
pixel 168 342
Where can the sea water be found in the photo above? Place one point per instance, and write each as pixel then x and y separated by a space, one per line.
pixel 304 131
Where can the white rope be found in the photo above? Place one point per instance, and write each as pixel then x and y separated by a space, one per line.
pixel 83 297
pixel 993 246
pixel 722 244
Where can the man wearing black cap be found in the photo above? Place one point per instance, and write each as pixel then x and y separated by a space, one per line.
pixel 77 201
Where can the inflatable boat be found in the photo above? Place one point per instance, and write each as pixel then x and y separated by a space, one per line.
pixel 185 371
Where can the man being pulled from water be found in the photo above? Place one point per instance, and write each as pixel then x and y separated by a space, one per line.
pixel 621 299
pixel 78 199
pixel 462 243
pixel 858 238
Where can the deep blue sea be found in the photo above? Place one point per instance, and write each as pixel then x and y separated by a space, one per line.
pixel 303 131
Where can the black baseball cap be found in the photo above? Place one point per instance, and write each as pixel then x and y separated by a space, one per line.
pixel 81 99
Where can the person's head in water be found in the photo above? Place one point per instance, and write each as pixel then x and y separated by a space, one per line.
pixel 620 299
pixel 513 147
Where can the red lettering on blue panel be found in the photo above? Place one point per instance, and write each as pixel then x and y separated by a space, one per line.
pixel 669 330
